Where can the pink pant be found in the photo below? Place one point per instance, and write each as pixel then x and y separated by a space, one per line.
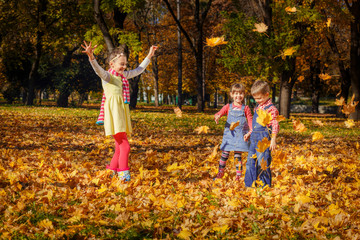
pixel 120 159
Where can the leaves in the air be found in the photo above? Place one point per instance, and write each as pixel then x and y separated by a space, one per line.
pixel 298 126
pixel 201 129
pixel 215 41
pixel 317 136
pixel 178 112
pixel 290 10
pixel 260 27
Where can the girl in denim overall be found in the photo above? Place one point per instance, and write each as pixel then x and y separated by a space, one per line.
pixel 233 139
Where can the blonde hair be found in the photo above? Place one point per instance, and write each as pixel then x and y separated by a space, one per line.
pixel 260 86
pixel 122 50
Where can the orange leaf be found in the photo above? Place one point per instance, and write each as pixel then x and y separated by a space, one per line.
pixel 263 145
pixel 233 125
pixel 178 112
pixel 213 42
pixel 299 126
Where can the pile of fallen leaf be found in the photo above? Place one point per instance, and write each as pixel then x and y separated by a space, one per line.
pixel 53 182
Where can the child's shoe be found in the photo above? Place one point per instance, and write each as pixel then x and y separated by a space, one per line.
pixel 113 171
pixel 100 123
pixel 124 175
pixel 220 174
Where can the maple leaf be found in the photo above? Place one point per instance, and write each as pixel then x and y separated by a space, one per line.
pixel 339 102
pixel 303 199
pixel 233 125
pixel 202 129
pixel 349 123
pixel 178 112
pixel 299 126
pixel 280 118
pixel 46 223
pixel 318 123
pixel 350 107
pixel 328 22
pixel 264 117
pixel 301 78
pixel 221 229
pixel 260 27
pixel 290 10
pixel 324 76
pixel 263 165
pixel 215 41
pixel 288 52
pixel 184 234
pixel 317 136
pixel 263 145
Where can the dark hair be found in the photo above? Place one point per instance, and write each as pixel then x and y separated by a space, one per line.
pixel 121 50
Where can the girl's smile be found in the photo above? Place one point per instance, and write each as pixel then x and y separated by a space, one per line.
pixel 238 97
pixel 119 64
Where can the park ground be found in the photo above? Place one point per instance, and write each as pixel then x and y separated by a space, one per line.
pixel 53 182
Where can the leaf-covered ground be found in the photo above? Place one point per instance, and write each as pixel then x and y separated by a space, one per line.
pixel 53 182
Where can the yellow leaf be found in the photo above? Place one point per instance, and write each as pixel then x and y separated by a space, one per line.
pixel 102 189
pixel 339 102
pixel 287 52
pixel 213 42
pixel 301 78
pixel 184 234
pixel 221 229
pixel 299 126
pixel 280 118
pixel 313 209
pixel 328 22
pixel 334 209
pixel 349 123
pixel 324 76
pixel 178 112
pixel 264 117
pixel 290 10
pixel 263 145
pixel 233 125
pixel 96 181
pixel 260 27
pixel 201 129
pixel 263 165
pixel 303 199
pixel 174 167
pixel 46 223
pixel 317 136
pixel 357 145
pixel 350 107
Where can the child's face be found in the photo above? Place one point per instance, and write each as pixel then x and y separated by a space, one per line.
pixel 119 65
pixel 261 98
pixel 238 97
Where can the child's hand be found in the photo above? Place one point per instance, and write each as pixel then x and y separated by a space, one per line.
pixel 247 136
pixel 272 144
pixel 216 118
pixel 89 50
pixel 153 48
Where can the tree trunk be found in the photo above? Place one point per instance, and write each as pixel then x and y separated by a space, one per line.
pixel 286 85
pixel 155 68
pixel 216 99
pixel 134 85
pixel 102 25
pixel 315 86
pixel 180 100
pixel 355 56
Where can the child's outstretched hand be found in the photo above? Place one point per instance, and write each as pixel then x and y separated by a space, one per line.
pixel 216 118
pixel 89 50
pixel 153 48
pixel 247 136
pixel 272 144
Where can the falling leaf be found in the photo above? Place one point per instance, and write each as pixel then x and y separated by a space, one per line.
pixel 202 129
pixel 288 52
pixel 350 107
pixel 317 136
pixel 301 78
pixel 263 165
pixel 349 123
pixel 298 126
pixel 290 10
pixel 260 27
pixel 280 118
pixel 339 102
pixel 324 76
pixel 233 125
pixel 213 42
pixel 328 22
pixel 178 112
pixel 264 117
pixel 263 145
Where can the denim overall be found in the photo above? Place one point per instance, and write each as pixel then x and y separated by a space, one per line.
pixel 253 169
pixel 234 140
